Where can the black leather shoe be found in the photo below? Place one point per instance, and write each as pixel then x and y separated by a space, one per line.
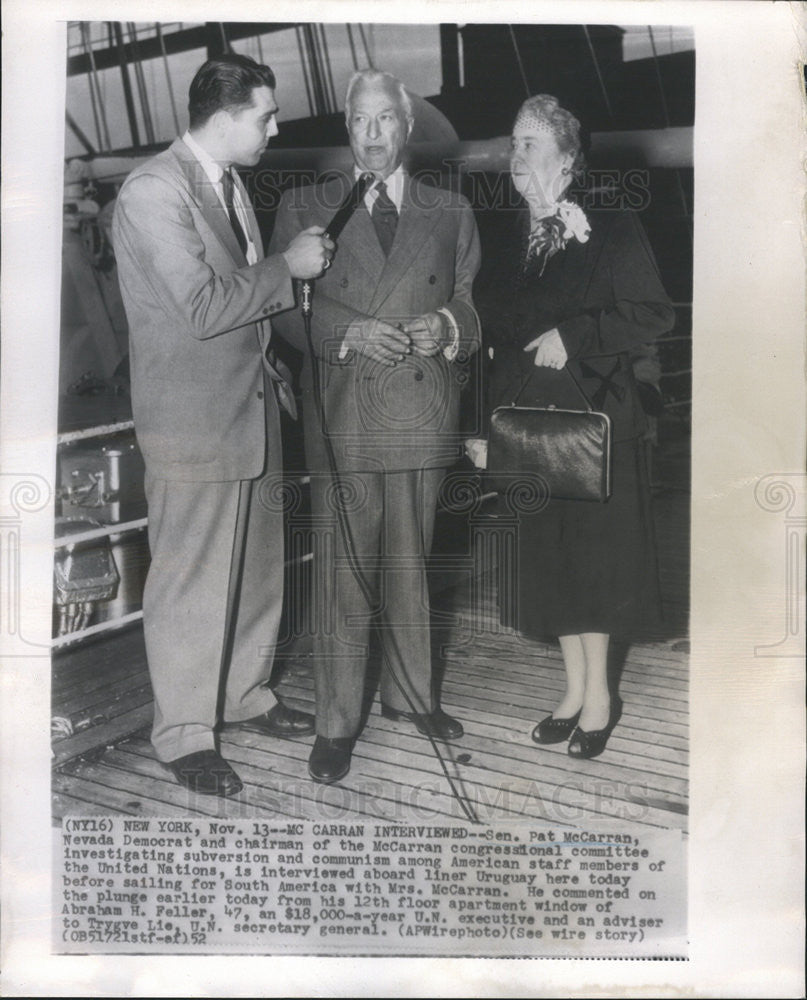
pixel 436 724
pixel 587 745
pixel 206 772
pixel 280 721
pixel 330 759
pixel 552 730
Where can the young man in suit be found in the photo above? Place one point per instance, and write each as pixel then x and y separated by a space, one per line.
pixel 199 295
pixel 392 323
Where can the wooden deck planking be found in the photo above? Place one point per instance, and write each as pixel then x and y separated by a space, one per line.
pixel 107 718
pixel 498 715
pixel 393 764
pixel 99 736
pixel 90 666
pixel 99 787
pixel 273 785
pixel 497 757
pixel 73 805
pixel 276 779
pixel 276 784
pixel 500 765
pixel 498 683
pixel 87 705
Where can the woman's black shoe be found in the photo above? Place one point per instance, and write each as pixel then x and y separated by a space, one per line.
pixel 587 745
pixel 552 730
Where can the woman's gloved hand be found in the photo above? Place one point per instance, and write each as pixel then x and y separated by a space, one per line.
pixel 549 350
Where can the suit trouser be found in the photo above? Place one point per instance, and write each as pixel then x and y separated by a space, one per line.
pixel 391 522
pixel 206 538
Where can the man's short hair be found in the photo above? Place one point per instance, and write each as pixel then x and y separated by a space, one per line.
pixel 371 76
pixel 225 83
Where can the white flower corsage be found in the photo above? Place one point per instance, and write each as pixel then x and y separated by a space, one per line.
pixel 551 233
pixel 574 219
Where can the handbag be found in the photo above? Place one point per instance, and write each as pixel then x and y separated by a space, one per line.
pixel 568 450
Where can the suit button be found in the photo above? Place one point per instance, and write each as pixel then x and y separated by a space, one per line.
pixel 432 279
pixel 343 283
pixel 278 305
pixel 418 375
pixel 260 395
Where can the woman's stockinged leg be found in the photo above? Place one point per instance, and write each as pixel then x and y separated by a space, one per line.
pixel 596 700
pixel 574 660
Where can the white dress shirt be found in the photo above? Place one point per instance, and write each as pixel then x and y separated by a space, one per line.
pixel 214 173
pixel 395 188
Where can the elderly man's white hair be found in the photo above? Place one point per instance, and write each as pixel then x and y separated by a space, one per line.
pixel 371 76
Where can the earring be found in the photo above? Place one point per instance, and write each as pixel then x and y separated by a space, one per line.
pixel 566 171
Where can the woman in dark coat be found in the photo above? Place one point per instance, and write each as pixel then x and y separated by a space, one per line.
pixel 577 289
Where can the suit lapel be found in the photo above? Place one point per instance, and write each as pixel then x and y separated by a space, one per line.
pixel 415 223
pixel 359 235
pixel 358 238
pixel 203 192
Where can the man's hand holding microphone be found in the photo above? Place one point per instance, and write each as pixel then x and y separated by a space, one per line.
pixel 309 253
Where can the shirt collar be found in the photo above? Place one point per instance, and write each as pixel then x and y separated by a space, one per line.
pixel 394 184
pixel 213 169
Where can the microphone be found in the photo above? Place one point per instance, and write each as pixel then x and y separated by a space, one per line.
pixel 349 205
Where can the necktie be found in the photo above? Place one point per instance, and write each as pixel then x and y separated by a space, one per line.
pixel 228 187
pixel 385 217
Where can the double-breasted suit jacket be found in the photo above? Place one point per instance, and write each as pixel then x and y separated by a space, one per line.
pixel 378 417
pixel 207 422
pixel 394 429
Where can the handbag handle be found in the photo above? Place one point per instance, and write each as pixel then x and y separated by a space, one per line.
pixel 568 371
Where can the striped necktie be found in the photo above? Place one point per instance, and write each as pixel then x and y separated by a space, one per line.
pixel 228 186
pixel 385 217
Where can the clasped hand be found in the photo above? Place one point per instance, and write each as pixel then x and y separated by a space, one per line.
pixel 387 344
pixel 427 333
pixel 549 350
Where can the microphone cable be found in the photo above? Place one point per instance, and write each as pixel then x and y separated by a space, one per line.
pixel 334 229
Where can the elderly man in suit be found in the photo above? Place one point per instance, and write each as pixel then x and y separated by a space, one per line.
pixel 392 323
pixel 199 295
